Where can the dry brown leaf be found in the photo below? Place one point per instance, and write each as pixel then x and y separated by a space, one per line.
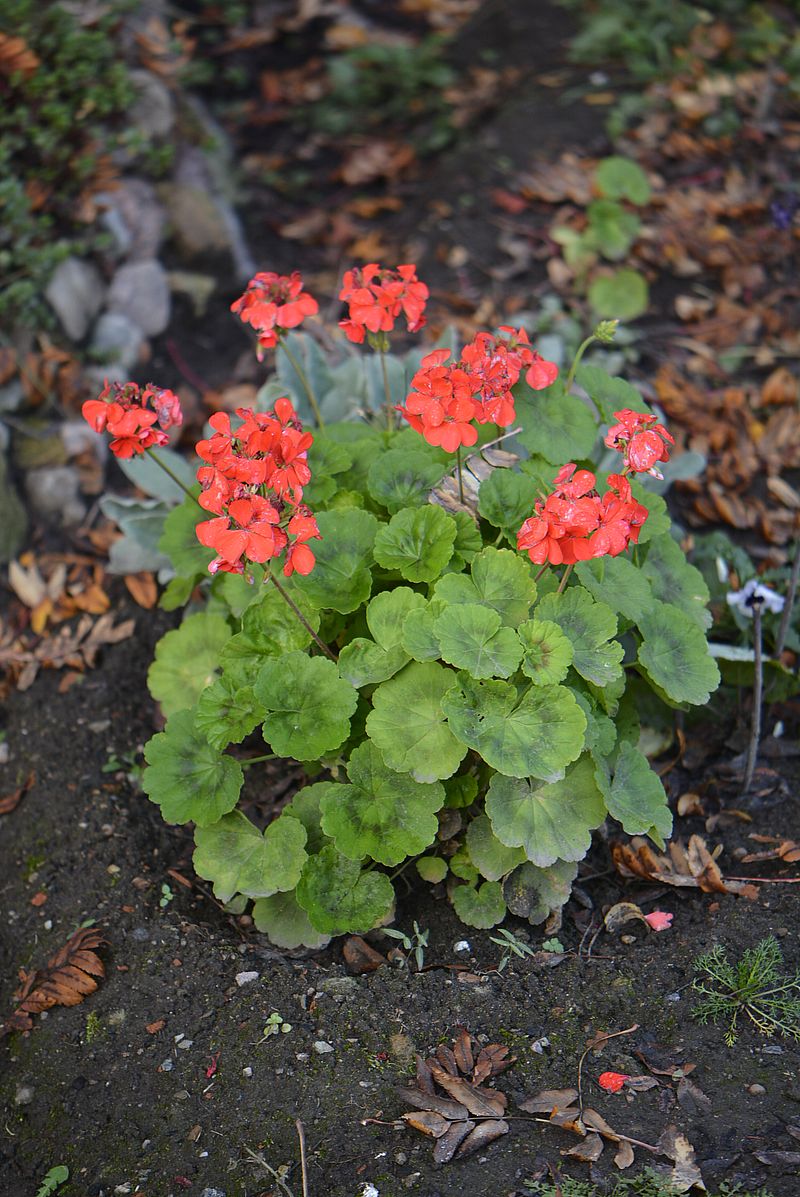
pixel 548 1100
pixel 620 914
pixel 624 1156
pixel 69 975
pixel 12 801
pixel 785 850
pixel 16 57
pixel 360 957
pixel 691 865
pixel 429 1122
pixel 449 1143
pixel 690 803
pixel 142 588
pixel 685 1174
pixel 781 387
pixel 589 1149
pixel 484 1133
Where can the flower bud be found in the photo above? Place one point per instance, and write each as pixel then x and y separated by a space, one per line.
pixel 606 331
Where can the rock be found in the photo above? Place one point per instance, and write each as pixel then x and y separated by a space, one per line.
pixel 141 934
pixel 54 493
pixel 246 978
pixel 116 340
pixel 140 291
pixel 23 1095
pixel 14 524
pixel 198 225
pixel 75 293
pixel 756 1090
pixel 322 1048
pixel 153 111
pixel 12 396
pixel 135 219
pixel 339 988
pixel 166 1066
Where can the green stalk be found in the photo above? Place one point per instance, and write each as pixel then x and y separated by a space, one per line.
pixel 387 392
pixel 299 615
pixel 564 579
pixel 577 361
pixel 460 478
pixel 301 374
pixel 151 453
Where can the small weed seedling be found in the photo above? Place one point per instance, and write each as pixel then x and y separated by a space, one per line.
pixel 511 945
pixel 415 945
pixel 54 1179
pixel 755 986
pixel 167 895
pixel 275 1026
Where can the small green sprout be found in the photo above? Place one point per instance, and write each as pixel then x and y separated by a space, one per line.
pixel 54 1179
pixel 167 896
pixel 275 1026
pixel 511 945
pixel 415 946
pixel 755 986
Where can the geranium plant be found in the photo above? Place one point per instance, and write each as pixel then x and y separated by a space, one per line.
pixel 441 608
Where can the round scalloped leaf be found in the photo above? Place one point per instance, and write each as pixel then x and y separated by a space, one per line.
pixel 186 661
pixel 535 735
pixel 547 652
pixel 179 539
pixel 364 663
pixel 498 579
pixel 609 393
pixel 339 898
pixel 555 426
pixel 388 611
pixel 305 806
pixel 382 814
pixel 308 705
pixel 589 626
pixel 462 790
pixel 635 795
pixel 419 639
pixel 506 500
pixel 480 906
pixel 491 857
pixel 467 544
pixel 286 923
pixel 188 778
pixel 675 581
pixel 408 725
pixel 533 894
pixel 470 637
pixel 417 542
pixel 400 478
pixel 227 712
pixel 621 178
pixel 622 295
pixel 341 578
pixel 269 628
pixel 618 583
pixel 432 869
pixel 239 859
pixel 550 822
pixel 675 655
pixel 658 518
pixel 601 732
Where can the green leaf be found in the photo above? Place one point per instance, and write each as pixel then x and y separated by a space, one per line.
pixel 601 732
pixel 177 593
pixel 468 542
pixel 536 734
pixel 533 894
pixel 269 628
pixel 609 394
pixel 471 637
pixel 550 822
pixel 226 712
pixel 308 705
pixel 675 655
pixel 400 479
pixel 341 578
pixel 506 499
pixel 188 778
pixel 461 866
pixel 498 579
pixel 327 456
pixel 462 790
pixel 555 426
pixel 387 614
pixel 305 806
pixel 408 725
pixel 179 539
pixel 382 814
pixel 480 906
pixel 364 663
pixel 612 228
pixel 419 639
pixel 622 295
pixel 621 178
pixel 547 652
pixel 635 795
pixel 239 859
pixel 658 519
pixel 186 661
pixel 338 897
pixel 491 857
pixel 417 542
pixel 286 923
pixel 431 869
pixel 618 583
pixel 589 627
pixel 677 582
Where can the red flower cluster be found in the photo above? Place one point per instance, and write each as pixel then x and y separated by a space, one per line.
pixel 376 297
pixel 253 481
pixel 642 441
pixel 274 303
pixel 448 396
pixel 575 524
pixel 129 413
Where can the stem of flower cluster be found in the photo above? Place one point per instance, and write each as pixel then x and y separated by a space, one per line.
pixel 788 606
pixel 577 361
pixel 299 614
pixel 162 465
pixel 301 374
pixel 565 579
pixel 460 476
pixel 758 683
pixel 256 760
pixel 387 392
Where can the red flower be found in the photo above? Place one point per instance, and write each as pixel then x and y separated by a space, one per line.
pixel 612 1082
pixel 299 557
pixel 272 304
pixel 441 405
pixel 376 297
pixel 122 410
pixel 541 373
pixel 246 531
pixel 642 441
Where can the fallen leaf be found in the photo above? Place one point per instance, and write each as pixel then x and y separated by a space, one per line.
pixel 687 865
pixel 12 801
pixel 429 1122
pixel 624 1156
pixel 69 975
pixel 685 1174
pixel 142 589
pixel 548 1100
pixel 691 1098
pixel 589 1149
pixel 153 1028
pixel 484 1133
pixel 360 957
pixel 451 1140
pixel 622 913
pixel 785 1158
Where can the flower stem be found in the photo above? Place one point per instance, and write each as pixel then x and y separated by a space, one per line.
pixel 301 374
pixel 577 361
pixel 460 476
pixel 299 614
pixel 387 392
pixel 788 606
pixel 758 683
pixel 565 579
pixel 255 760
pixel 162 465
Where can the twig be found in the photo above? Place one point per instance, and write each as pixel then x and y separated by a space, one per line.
pixel 259 1159
pixel 592 1046
pixel 788 606
pixel 758 684
pixel 301 1135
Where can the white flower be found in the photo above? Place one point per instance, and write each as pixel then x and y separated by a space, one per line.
pixel 754 592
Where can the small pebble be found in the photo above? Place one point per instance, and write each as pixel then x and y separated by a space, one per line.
pixel 166 1066
pixel 462 946
pixel 248 1072
pixel 23 1095
pixel 772 1049
pixel 140 933
pixel 672 997
pixel 48 924
pixel 185 1044
pixel 213 1193
pixel 756 1090
pixel 246 978
pixel 322 1048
